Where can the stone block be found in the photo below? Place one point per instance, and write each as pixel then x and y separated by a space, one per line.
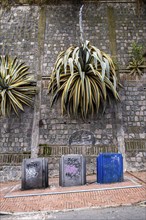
pixel 133 159
pixel 82 137
pixel 138 159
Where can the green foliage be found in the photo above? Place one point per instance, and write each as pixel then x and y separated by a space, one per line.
pixel 136 64
pixel 85 78
pixel 137 51
pixel 16 85
pixel 45 149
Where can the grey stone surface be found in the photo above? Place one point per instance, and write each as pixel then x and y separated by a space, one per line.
pixel 82 138
pixel 136 161
pixel 20 35
pixel 10 173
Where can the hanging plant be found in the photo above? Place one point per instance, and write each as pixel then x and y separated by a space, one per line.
pixel 85 79
pixel 16 85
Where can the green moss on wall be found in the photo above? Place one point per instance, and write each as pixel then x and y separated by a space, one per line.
pixel 45 150
pixel 112 36
pixel 41 28
pixel 112 30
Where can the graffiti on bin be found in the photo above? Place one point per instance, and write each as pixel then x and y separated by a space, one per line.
pixel 72 167
pixel 32 170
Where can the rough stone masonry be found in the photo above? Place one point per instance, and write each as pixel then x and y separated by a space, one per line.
pixel 36 34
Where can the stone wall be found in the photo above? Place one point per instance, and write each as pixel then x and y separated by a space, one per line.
pixel 10 173
pixel 18 37
pixel 134 109
pixel 136 161
pixel 36 35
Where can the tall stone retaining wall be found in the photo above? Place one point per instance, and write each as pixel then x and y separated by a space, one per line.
pixel 36 34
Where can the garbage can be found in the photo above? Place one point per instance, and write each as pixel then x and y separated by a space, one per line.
pixel 34 173
pixel 109 168
pixel 72 170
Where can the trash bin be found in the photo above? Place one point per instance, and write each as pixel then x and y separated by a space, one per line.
pixel 34 173
pixel 72 170
pixel 109 168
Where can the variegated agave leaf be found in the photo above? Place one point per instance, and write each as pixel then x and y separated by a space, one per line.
pixel 16 86
pixel 85 78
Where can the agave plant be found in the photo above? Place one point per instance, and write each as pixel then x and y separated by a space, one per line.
pixel 136 64
pixel 85 78
pixel 136 67
pixel 16 86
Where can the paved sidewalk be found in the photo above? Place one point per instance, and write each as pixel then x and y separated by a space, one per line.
pixel 55 198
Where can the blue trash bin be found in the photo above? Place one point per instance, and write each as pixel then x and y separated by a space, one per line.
pixel 109 168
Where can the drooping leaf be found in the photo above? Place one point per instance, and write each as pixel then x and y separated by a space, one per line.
pixel 16 86
pixel 82 77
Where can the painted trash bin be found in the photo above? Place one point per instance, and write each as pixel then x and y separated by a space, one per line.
pixel 72 170
pixel 34 173
pixel 109 168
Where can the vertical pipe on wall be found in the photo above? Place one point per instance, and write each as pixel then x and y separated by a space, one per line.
pixel 117 110
pixel 120 133
pixel 36 119
pixel 112 31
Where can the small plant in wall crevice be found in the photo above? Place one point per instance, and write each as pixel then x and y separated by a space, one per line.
pixel 136 64
pixel 16 85
pixel 85 79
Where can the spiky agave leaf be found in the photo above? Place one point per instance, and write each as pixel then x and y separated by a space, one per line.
pixel 16 86
pixel 85 78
